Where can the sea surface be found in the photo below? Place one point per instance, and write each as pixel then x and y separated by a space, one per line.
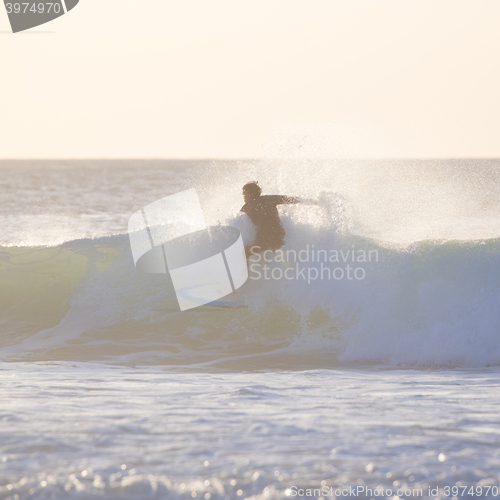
pixel 371 369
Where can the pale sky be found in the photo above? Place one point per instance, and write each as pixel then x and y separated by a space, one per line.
pixel 246 79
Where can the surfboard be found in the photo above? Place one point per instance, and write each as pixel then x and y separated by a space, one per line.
pixel 227 304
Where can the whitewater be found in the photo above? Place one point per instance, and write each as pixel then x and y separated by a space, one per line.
pixel 375 365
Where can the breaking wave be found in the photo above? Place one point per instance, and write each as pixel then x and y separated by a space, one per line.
pixel 427 304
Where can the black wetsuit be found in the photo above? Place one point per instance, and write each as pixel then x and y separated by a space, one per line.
pixel 264 214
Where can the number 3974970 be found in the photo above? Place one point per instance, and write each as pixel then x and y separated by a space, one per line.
pixel 35 8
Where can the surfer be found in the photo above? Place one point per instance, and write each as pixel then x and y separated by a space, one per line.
pixel 263 212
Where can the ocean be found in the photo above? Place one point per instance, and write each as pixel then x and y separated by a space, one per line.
pixel 364 363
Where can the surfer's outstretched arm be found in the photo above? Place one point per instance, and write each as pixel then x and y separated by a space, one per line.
pixel 290 200
pixel 279 199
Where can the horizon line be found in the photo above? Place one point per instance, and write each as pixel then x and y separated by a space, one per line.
pixel 350 158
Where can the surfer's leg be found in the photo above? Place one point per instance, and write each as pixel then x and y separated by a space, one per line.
pixel 255 248
pixel 249 252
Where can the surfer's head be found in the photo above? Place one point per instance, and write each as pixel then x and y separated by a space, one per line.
pixel 251 191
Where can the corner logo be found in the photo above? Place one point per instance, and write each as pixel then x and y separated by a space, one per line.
pixel 170 235
pixel 26 15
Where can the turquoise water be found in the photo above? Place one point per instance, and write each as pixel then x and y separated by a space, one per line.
pixel 384 382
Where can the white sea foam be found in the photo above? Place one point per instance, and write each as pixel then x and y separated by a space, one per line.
pixel 81 430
